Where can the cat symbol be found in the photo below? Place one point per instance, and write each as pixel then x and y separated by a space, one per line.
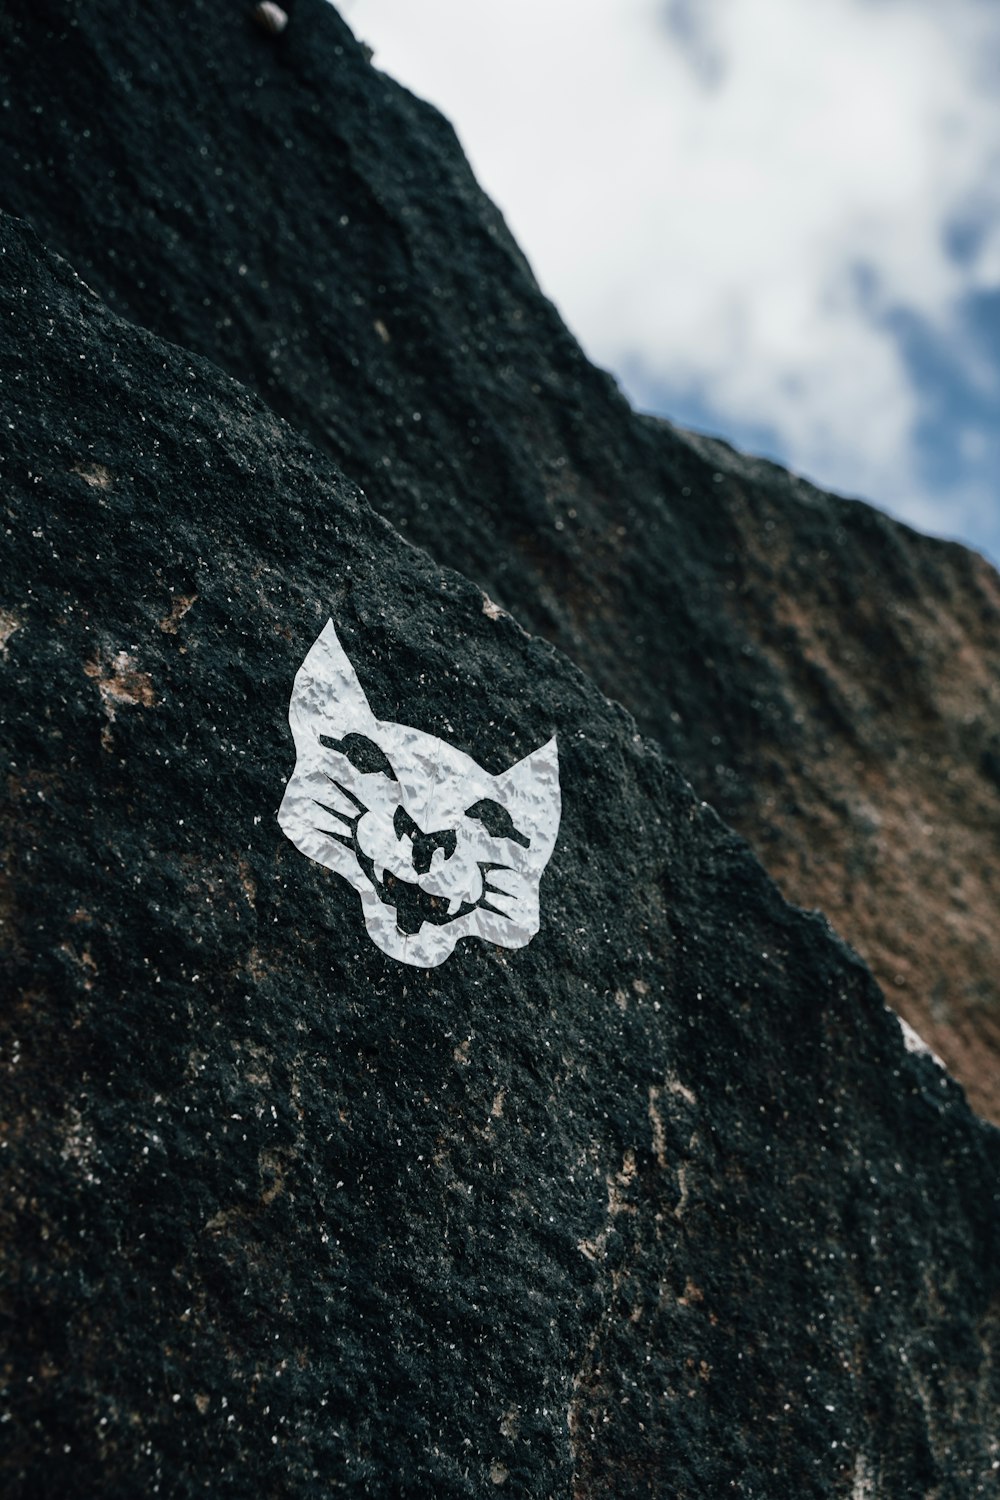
pixel 437 848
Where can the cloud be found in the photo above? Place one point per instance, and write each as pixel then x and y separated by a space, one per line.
pixel 745 207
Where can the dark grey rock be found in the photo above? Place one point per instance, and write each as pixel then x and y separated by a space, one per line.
pixel 660 1204
pixel 828 680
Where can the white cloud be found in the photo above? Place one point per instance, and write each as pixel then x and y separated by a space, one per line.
pixel 730 205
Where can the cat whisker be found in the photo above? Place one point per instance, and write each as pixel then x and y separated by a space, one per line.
pixel 495 890
pixel 333 833
pixel 488 906
pixel 336 813
pixel 350 795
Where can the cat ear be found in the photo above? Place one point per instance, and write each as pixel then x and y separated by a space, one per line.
pixel 327 696
pixel 530 792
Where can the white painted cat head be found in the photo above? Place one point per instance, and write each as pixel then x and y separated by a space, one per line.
pixel 436 847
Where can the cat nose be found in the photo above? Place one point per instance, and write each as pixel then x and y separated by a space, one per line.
pixel 426 845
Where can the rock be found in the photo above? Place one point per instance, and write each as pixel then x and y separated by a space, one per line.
pixel 663 1202
pixel 826 677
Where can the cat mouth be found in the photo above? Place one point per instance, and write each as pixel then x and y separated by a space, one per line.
pixel 414 906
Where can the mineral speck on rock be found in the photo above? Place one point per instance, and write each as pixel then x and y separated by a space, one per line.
pixel 270 17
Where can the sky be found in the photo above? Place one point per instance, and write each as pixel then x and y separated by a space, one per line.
pixel 777 221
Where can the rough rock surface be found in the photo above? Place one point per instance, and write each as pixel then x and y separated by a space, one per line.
pixel 828 679
pixel 663 1204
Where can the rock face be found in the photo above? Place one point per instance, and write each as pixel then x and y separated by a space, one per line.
pixel 662 1203
pixel 826 678
pixel 665 1202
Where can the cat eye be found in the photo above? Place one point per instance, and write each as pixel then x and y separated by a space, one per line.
pixel 496 820
pixel 363 754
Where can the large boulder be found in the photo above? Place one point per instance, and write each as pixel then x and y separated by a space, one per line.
pixel 666 1201
pixel 827 679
